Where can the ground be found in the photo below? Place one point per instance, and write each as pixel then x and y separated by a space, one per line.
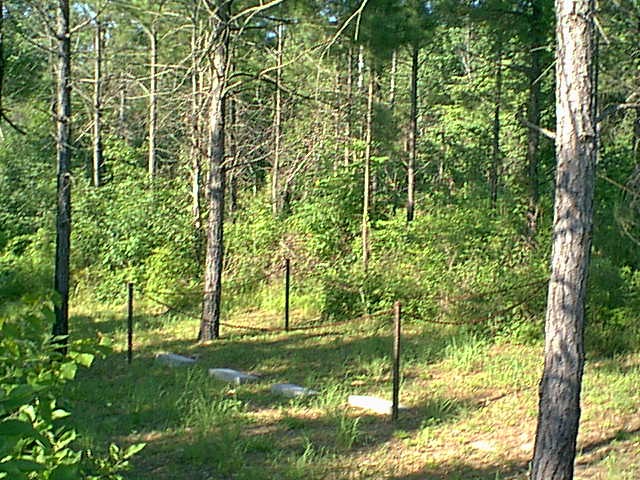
pixel 471 402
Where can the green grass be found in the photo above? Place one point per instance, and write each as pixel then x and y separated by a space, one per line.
pixel 459 388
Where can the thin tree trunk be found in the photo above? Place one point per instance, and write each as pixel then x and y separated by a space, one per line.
pixel 153 102
pixel 196 138
pixel 576 140
pixel 210 322
pixel 277 128
pixel 98 157
pixel 392 80
pixel 361 68
pixel 63 146
pixel 233 154
pixel 413 135
pixel 122 111
pixel 366 203
pixel 496 156
pixel 533 117
pixel 349 108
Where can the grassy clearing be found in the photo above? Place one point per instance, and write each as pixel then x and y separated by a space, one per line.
pixel 472 404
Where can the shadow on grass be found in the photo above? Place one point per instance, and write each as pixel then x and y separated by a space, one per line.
pixel 163 407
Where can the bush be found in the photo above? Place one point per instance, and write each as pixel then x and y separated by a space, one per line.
pixel 36 441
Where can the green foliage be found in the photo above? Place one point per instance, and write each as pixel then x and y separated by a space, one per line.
pixel 131 230
pixel 27 180
pixel 36 441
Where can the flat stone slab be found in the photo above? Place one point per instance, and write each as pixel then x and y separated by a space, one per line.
pixel 292 390
pixel 232 376
pixel 375 404
pixel 174 360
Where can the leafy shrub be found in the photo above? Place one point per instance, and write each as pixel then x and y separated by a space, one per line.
pixel 36 443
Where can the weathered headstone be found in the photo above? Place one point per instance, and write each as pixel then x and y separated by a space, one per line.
pixel 232 376
pixel 174 360
pixel 291 390
pixel 375 404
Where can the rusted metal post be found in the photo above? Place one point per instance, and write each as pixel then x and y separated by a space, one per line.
pixel 396 361
pixel 130 325
pixel 287 286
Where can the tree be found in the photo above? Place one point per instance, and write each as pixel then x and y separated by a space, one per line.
pixel 576 138
pixel 219 57
pixel 63 145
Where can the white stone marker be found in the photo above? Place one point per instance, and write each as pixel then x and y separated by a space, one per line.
pixel 375 404
pixel 174 360
pixel 232 376
pixel 291 390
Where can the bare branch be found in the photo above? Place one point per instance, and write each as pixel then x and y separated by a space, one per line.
pixel 544 131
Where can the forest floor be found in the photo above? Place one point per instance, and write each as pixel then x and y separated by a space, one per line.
pixel 471 403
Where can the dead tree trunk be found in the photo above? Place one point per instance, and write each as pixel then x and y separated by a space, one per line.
pixel 153 101
pixel 210 322
pixel 196 136
pixel 533 118
pixel 349 108
pixel 98 157
pixel 63 147
pixel 576 139
pixel 277 127
pixel 413 135
pixel 366 202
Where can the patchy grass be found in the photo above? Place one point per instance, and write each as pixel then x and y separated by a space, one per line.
pixel 471 403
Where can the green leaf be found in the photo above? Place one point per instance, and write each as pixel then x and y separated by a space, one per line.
pixel 133 449
pixel 84 359
pixel 68 370
pixel 59 413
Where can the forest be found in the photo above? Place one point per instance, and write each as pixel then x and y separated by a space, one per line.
pixel 263 185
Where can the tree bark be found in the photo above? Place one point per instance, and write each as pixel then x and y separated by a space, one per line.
pixel 413 135
pixel 210 322
pixel 576 139
pixel 98 157
pixel 63 147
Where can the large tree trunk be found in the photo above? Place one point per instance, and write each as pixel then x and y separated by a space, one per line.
pixel 210 322
pixel 576 138
pixel 413 135
pixel 153 102
pixel 98 157
pixel 63 146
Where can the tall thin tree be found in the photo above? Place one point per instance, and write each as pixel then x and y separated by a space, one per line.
pixel 98 156
pixel 63 147
pixel 219 57
pixel 576 140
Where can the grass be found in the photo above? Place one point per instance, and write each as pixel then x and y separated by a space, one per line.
pixel 471 403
